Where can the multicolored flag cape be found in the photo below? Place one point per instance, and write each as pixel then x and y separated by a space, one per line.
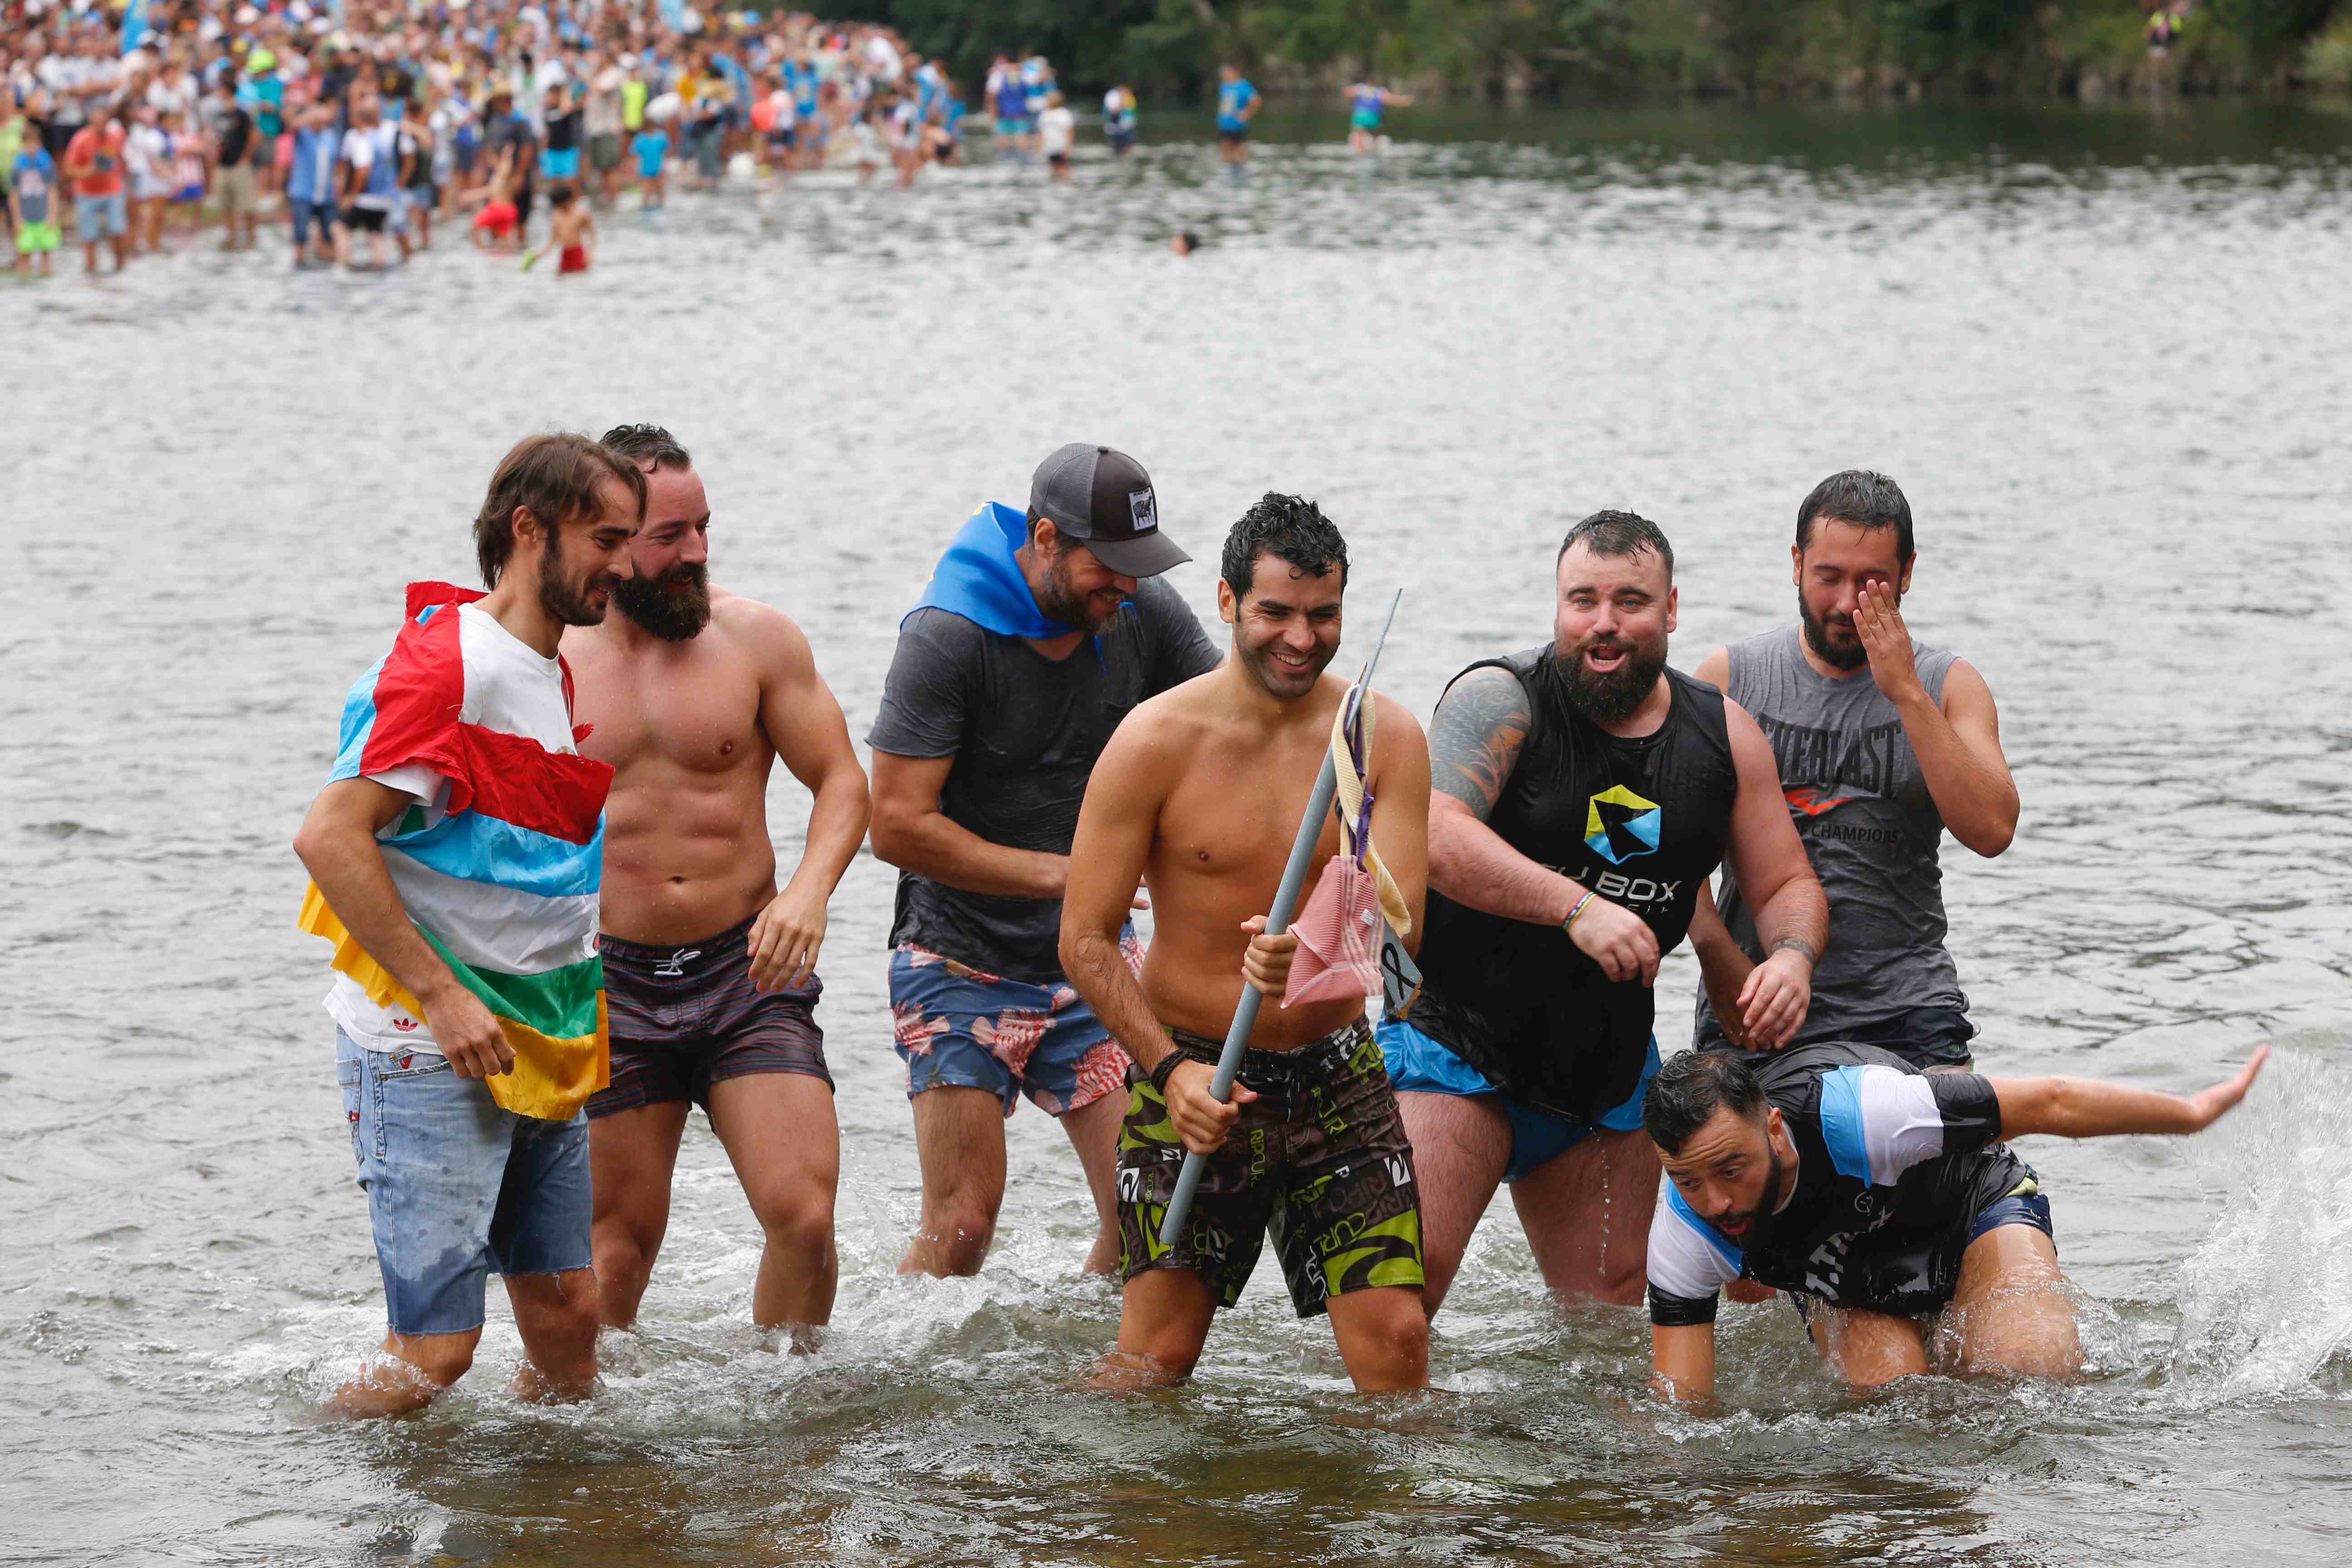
pixel 504 886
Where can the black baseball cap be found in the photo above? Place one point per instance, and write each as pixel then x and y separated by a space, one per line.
pixel 1105 501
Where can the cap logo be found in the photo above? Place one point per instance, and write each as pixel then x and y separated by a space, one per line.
pixel 1143 509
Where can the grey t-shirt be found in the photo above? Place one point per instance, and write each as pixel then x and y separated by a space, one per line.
pixel 1024 731
pixel 1869 826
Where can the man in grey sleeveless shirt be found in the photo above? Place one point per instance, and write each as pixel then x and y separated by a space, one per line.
pixel 1882 743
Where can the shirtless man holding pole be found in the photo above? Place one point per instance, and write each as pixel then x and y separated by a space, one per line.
pixel 1199 795
pixel 710 971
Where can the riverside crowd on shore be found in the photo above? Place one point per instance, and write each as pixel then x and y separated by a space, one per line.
pixel 364 127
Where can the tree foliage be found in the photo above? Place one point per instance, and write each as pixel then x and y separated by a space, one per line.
pixel 1573 45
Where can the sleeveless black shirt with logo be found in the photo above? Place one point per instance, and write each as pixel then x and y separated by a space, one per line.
pixel 1642 822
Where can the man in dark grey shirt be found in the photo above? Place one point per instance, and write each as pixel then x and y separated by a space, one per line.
pixel 1882 743
pixel 1037 634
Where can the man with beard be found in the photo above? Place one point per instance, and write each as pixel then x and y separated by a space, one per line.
pixel 1199 795
pixel 1035 636
pixel 453 866
pixel 1875 770
pixel 1877 1195
pixel 693 695
pixel 1583 792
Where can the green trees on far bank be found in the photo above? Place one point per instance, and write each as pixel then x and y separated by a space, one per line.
pixel 1545 47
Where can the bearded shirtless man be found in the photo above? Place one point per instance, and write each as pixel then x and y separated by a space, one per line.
pixel 1199 794
pixel 710 972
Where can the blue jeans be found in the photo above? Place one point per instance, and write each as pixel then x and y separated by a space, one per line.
pixel 458 1186
pixel 100 217
pixel 304 214
pixel 1419 1065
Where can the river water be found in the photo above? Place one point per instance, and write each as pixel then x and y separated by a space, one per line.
pixel 2102 353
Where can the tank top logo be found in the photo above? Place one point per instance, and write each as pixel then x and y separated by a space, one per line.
pixel 1620 825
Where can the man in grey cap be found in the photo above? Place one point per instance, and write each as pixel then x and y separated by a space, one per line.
pixel 1036 635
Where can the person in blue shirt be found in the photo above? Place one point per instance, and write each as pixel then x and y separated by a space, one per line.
pixel 1237 102
pixel 310 180
pixel 1010 101
pixel 1367 101
pixel 651 145
pixel 31 192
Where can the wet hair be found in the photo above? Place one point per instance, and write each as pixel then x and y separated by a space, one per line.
pixel 647 446
pixel 1690 1088
pixel 1619 534
pixel 562 195
pixel 1865 499
pixel 1289 527
pixel 556 475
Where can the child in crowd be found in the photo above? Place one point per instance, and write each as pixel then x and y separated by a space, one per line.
pixel 651 146
pixel 571 228
pixel 1057 132
pixel 497 224
pixel 32 207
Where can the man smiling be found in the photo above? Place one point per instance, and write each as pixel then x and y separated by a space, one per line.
pixel 1036 635
pixel 1581 793
pixel 455 866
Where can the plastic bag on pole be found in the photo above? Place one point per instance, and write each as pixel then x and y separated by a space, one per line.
pixel 1339 935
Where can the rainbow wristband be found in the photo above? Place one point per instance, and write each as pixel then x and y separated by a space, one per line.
pixel 1576 910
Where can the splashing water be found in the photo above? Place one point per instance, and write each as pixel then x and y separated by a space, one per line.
pixel 2266 1302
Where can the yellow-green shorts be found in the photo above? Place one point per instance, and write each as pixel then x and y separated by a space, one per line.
pixel 1318 1161
pixel 33 238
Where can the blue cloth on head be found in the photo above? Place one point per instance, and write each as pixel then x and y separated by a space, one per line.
pixel 978 579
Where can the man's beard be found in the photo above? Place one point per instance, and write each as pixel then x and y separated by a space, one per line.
pixel 1059 601
pixel 673 614
pixel 1609 697
pixel 1273 679
pixel 1759 1219
pixel 566 605
pixel 1852 656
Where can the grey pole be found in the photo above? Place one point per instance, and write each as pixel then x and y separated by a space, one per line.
pixel 1277 920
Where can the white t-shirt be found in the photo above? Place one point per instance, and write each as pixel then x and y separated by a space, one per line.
pixel 508 686
pixel 1055 130
pixel 147 154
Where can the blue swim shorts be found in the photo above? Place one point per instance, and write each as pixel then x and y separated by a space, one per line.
pixel 458 1186
pixel 1419 1065
pixel 562 165
pixel 958 1025
pixel 2024 1204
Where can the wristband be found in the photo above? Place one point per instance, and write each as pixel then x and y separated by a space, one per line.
pixel 1575 910
pixel 1160 1075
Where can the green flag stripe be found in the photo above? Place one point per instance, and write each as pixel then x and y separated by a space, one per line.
pixel 559 1004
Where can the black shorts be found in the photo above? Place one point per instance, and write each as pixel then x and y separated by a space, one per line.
pixel 2025 1203
pixel 1058 160
pixel 683 1019
pixel 363 220
pixel 1319 1160
pixel 1233 138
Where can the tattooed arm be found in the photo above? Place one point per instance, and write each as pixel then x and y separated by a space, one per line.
pixel 1474 744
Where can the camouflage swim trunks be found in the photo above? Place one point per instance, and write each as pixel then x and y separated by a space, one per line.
pixel 1319 1160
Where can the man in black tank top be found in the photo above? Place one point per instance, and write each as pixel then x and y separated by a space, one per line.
pixel 1882 745
pixel 1581 793
pixel 1876 1194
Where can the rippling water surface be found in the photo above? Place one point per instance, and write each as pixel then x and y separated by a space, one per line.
pixel 2110 377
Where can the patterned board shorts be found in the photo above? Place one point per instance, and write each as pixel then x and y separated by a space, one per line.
pixel 684 1018
pixel 1319 1160
pixel 962 1027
